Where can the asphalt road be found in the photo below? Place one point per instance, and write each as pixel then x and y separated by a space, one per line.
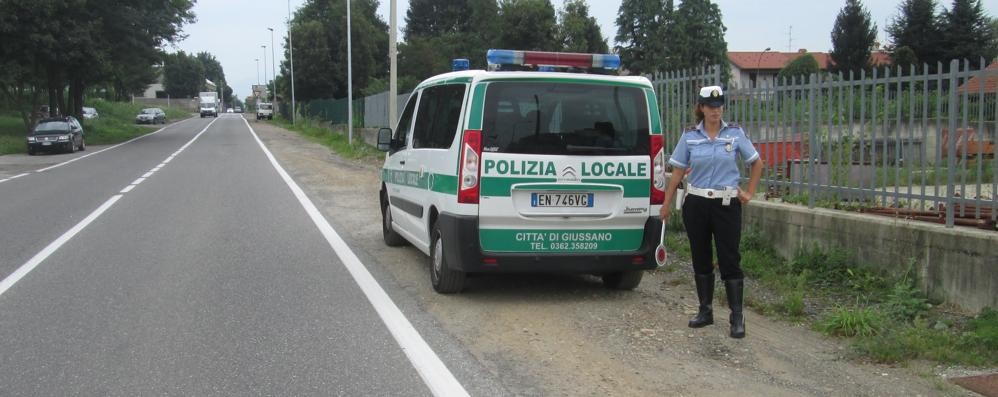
pixel 183 263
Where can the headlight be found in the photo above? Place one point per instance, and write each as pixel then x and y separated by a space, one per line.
pixel 31 139
pixel 63 137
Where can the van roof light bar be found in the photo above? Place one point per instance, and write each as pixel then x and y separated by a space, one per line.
pixel 555 59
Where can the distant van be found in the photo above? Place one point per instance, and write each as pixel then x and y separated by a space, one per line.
pixel 264 110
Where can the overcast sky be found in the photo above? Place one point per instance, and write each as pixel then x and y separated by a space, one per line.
pixel 234 30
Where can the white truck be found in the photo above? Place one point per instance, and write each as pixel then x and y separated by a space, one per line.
pixel 208 103
pixel 264 110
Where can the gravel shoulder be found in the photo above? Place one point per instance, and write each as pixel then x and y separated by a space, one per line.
pixel 568 336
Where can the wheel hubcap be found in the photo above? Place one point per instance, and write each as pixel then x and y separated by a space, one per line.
pixel 438 262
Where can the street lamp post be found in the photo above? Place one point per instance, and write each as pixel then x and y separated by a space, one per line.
pixel 273 65
pixel 257 70
pixel 291 60
pixel 265 67
pixel 758 69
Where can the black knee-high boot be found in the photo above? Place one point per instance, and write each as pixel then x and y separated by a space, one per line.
pixel 735 290
pixel 705 293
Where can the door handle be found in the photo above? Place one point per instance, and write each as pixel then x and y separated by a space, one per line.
pixel 402 162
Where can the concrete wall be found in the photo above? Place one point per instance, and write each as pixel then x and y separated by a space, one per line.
pixel 958 265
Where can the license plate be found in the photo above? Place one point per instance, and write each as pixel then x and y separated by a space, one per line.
pixel 46 143
pixel 574 200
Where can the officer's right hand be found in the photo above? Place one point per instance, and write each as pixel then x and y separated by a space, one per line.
pixel 663 214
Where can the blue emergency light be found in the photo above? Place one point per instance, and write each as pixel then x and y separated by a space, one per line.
pixel 553 59
pixel 460 64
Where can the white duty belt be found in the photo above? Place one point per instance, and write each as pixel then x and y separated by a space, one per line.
pixel 725 195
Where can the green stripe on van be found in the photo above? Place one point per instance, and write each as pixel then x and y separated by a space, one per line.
pixel 632 187
pixel 656 117
pixel 502 187
pixel 560 240
pixel 477 106
pixel 439 183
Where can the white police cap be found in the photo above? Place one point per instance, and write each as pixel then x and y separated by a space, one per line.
pixel 711 96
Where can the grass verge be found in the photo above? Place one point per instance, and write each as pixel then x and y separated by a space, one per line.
pixel 335 139
pixel 115 124
pixel 885 318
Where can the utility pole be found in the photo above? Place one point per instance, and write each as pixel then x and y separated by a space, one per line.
pixel 265 69
pixel 257 70
pixel 273 66
pixel 291 59
pixel 393 65
pixel 349 81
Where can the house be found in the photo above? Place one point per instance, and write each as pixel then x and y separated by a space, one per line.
pixel 973 85
pixel 755 68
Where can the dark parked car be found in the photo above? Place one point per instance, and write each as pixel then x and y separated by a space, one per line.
pixel 57 134
pixel 151 116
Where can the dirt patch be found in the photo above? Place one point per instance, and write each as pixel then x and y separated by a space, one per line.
pixel 567 335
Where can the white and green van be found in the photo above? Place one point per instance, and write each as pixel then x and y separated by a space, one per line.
pixel 525 171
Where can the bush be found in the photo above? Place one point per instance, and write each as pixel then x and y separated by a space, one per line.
pixel 850 322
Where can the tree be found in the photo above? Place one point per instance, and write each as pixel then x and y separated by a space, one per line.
pixel 183 75
pixel 578 31
pixel 639 27
pixel 701 37
pixel 804 65
pixel 916 28
pixel 432 18
pixel 527 25
pixel 320 48
pixel 966 33
pixel 78 44
pixel 852 38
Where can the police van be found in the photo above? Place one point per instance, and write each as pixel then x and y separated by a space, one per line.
pixel 527 171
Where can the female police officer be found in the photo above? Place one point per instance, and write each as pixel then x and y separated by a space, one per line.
pixel 712 208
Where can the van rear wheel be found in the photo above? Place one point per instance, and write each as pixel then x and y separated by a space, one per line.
pixel 626 280
pixel 444 279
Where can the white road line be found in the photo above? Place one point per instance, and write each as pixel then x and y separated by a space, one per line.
pixel 127 189
pixel 138 181
pixel 13 177
pixel 28 266
pixel 112 147
pixel 148 174
pixel 429 366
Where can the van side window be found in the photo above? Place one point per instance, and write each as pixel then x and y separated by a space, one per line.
pixel 438 116
pixel 405 121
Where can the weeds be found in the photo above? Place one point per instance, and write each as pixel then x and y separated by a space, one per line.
pixel 888 319
pixel 335 140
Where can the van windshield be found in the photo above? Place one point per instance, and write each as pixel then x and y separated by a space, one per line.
pixel 565 118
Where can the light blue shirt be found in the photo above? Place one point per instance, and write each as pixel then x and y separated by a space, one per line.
pixel 712 163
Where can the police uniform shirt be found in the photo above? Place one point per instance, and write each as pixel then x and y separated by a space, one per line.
pixel 712 162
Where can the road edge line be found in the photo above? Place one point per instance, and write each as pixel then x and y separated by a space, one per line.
pixel 435 374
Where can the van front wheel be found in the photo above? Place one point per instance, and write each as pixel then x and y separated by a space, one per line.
pixel 392 239
pixel 444 279
pixel 626 280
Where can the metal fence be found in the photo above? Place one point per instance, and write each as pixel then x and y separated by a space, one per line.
pixel 913 144
pixel 368 112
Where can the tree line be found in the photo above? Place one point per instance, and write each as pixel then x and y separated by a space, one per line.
pixel 184 76
pixel 49 46
pixel 652 36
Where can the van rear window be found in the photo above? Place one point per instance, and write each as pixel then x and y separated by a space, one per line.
pixel 565 118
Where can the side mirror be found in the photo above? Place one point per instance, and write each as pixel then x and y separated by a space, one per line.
pixel 385 139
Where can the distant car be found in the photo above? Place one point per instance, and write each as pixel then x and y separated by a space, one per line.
pixel 239 109
pixel 90 113
pixel 151 116
pixel 229 110
pixel 56 134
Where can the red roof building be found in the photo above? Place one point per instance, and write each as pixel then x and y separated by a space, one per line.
pixel 990 81
pixel 751 67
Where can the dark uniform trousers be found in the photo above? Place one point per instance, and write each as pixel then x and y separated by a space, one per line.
pixel 708 221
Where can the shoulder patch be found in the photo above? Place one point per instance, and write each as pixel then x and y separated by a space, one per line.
pixel 734 125
pixel 690 128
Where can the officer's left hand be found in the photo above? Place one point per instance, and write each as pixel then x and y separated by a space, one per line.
pixel 744 196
